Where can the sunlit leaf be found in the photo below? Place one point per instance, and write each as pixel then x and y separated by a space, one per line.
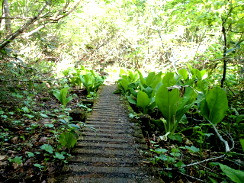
pixel 44 115
pixel 169 79
pixel 160 151
pixel 183 73
pixel 142 100
pixel 49 125
pixel 192 149
pixel 47 147
pixel 215 105
pixel 58 155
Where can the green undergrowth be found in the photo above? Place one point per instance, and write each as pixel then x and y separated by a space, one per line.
pixel 193 128
pixel 41 120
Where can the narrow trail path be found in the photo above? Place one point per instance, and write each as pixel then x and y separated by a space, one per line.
pixel 109 154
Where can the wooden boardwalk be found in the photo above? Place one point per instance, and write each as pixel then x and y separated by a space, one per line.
pixel 111 152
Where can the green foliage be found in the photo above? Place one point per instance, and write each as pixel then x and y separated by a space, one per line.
pixel 59 156
pixel 124 85
pixel 128 81
pixel 173 106
pixel 91 80
pixel 187 94
pixel 30 154
pixel 192 149
pixel 236 176
pixel 38 166
pixel 143 101
pixel 242 144
pixel 62 96
pixel 164 41
pixel 215 105
pixel 16 159
pixel 73 76
pixel 47 147
pixel 183 73
pixel 169 79
pixel 167 157
pixel 68 139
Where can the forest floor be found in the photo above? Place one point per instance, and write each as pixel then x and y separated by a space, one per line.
pixel 110 147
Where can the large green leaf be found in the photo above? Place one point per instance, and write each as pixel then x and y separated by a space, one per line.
pixel 131 99
pixel 183 73
pixel 56 93
pixel 173 106
pixel 199 74
pixel 148 90
pixel 68 139
pixel 124 84
pixel 242 144
pixel 142 79
pixel 87 81
pixel 169 79
pixel 61 95
pixel 215 105
pixel 196 74
pixel 235 175
pixel 47 148
pixel 167 101
pixel 150 78
pixel 133 76
pixel 142 100
pixel 157 80
pixel 186 103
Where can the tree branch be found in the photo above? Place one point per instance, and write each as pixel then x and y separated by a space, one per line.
pixel 58 17
pixel 11 37
pixel 194 178
pixel 12 18
pixel 34 31
pixel 45 20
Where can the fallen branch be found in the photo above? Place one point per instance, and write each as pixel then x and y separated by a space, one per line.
pixel 227 147
pixel 196 163
pixel 200 180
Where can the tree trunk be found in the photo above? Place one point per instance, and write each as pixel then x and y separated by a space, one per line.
pixel 224 56
pixel 6 23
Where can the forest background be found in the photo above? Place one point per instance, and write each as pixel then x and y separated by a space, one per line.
pixel 135 34
pixel 39 39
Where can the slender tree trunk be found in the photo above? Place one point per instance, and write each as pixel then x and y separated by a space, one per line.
pixel 224 56
pixel 6 13
pixel 225 29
